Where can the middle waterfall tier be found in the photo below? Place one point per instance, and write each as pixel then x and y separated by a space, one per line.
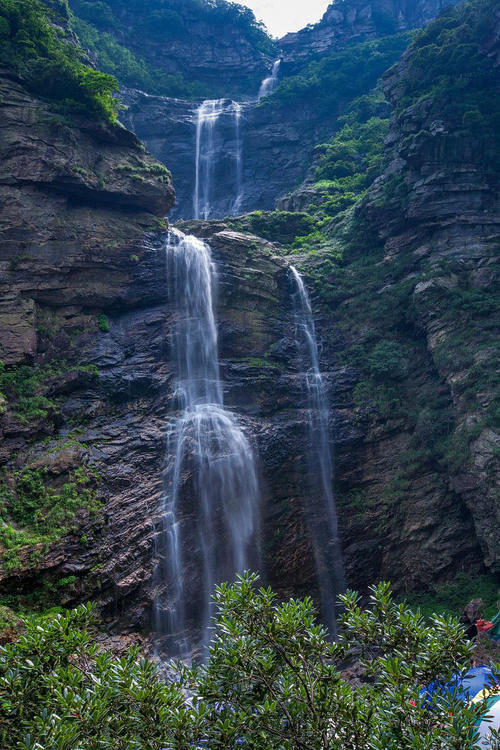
pixel 218 159
pixel 209 528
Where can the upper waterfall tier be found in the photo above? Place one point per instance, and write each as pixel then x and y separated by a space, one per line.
pixel 218 184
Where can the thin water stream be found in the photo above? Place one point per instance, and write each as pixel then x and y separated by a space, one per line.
pixel 321 512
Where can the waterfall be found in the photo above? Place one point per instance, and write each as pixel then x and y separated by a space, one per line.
pixel 269 84
pixel 321 512
pixel 210 478
pixel 236 209
pixel 217 160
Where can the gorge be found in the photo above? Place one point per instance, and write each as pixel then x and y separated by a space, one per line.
pixel 152 374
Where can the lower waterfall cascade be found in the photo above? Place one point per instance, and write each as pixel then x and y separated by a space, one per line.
pixel 206 444
pixel 322 518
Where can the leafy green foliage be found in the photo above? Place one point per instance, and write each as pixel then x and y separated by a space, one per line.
pixel 51 65
pixel 272 681
pixel 59 691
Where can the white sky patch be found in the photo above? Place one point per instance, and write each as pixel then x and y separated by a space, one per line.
pixel 282 16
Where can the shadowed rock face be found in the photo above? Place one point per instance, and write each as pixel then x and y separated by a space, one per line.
pixel 78 202
pixel 197 43
pixel 444 217
pixel 275 149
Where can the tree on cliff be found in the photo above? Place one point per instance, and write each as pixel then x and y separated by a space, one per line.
pixel 272 680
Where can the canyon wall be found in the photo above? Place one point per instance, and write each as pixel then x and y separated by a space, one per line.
pixel 406 300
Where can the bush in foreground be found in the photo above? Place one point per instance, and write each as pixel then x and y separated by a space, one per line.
pixel 272 681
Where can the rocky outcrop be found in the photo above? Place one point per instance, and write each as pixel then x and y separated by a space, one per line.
pixel 344 22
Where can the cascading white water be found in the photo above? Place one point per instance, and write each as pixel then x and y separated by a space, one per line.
pixel 322 514
pixel 269 84
pixel 210 474
pixel 236 209
pixel 212 151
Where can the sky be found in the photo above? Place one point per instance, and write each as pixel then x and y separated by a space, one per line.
pixel 282 16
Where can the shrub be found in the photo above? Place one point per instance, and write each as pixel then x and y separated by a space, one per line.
pixel 103 323
pixel 272 681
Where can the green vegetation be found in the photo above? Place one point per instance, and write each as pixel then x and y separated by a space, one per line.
pixel 23 385
pixel 346 166
pixel 272 681
pixel 25 388
pixel 33 45
pixel 123 36
pixel 35 510
pixel 447 64
pixel 277 226
pixel 103 323
pixel 339 78
pixel 452 598
pixel 9 620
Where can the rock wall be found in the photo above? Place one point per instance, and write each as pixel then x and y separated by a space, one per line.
pixel 444 215
pixel 413 313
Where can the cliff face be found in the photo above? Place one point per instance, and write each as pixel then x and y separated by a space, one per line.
pixel 413 312
pixel 344 22
pixel 444 217
pixel 82 339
